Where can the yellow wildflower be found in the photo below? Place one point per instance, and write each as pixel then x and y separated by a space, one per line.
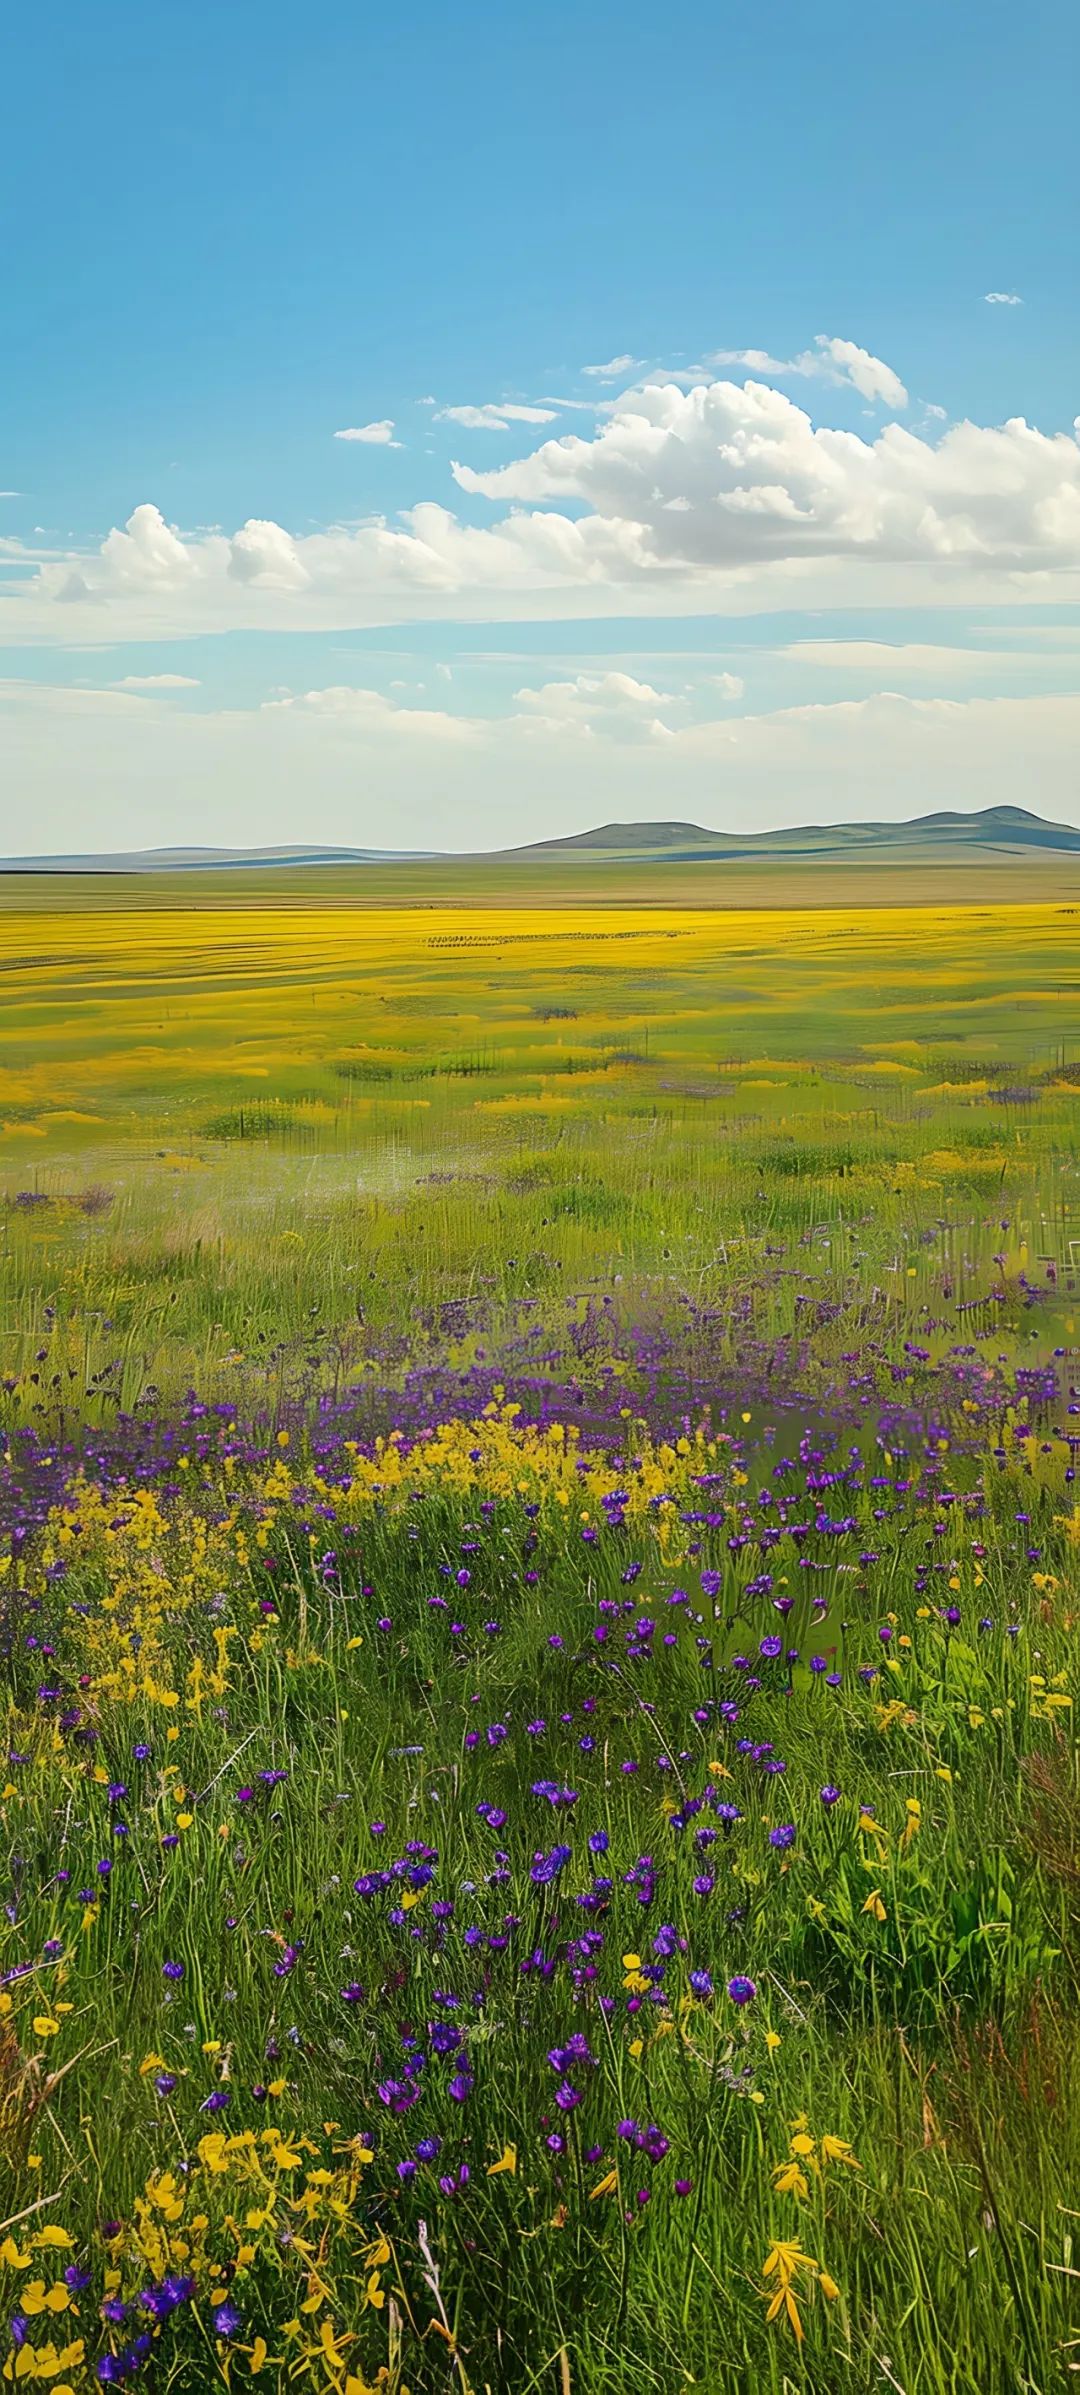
pixel 837 2149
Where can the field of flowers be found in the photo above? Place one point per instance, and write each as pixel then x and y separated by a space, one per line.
pixel 541 1820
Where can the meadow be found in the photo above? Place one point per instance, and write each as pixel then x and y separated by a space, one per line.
pixel 538 1567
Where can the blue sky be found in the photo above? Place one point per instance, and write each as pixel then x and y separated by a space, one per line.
pixel 233 235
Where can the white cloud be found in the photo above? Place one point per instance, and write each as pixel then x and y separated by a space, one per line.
pixel 495 415
pixel 730 686
pixel 1003 299
pixel 831 360
pixel 612 703
pixel 347 768
pixel 148 552
pixel 367 711
pixel 610 372
pixel 1055 635
pixel 889 755
pixel 885 662
pixel 722 495
pixel 77 701
pixel 156 682
pixel 725 476
pixel 869 375
pixel 378 436
pixel 758 360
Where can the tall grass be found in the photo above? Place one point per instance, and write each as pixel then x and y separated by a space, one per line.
pixel 584 1896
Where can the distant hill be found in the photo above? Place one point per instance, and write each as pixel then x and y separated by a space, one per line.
pixel 626 837
pixel 1002 831
pixel 193 860
pixel 1006 829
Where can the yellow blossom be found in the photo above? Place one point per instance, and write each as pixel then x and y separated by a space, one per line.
pixel 784 2300
pixel 784 2258
pixel 837 2149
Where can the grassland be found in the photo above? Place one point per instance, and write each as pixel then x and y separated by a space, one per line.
pixel 538 1604
pixel 237 1122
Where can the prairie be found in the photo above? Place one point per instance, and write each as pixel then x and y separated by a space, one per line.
pixel 217 1122
pixel 538 1612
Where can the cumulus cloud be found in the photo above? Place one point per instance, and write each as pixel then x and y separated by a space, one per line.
pixel 147 552
pixel 869 375
pixel 730 686
pixel 377 436
pixel 156 682
pixel 613 703
pixel 428 557
pixel 496 415
pixel 261 553
pixel 1003 299
pixel 830 360
pixel 727 475
pixel 721 494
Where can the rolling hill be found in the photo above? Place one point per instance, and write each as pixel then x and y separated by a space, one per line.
pixel 990 831
pixel 1005 829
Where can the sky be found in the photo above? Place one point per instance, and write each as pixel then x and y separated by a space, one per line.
pixel 444 429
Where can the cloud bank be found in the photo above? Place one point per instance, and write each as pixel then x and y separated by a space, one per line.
pixel 720 495
pixel 105 769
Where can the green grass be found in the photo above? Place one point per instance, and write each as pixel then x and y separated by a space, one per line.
pixel 940 2041
pixel 805 1173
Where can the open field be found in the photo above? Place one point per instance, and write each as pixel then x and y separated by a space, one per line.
pixel 912 875
pixel 538 1603
pixel 221 1128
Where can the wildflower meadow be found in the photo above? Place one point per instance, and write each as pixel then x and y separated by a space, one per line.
pixel 539 1564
